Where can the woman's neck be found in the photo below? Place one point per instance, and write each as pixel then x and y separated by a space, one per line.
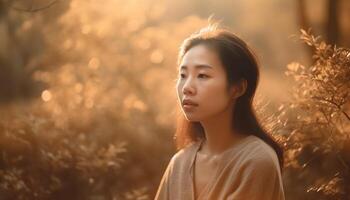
pixel 219 133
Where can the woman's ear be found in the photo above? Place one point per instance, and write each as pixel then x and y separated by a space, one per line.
pixel 239 88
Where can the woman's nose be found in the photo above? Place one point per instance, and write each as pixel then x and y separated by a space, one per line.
pixel 188 88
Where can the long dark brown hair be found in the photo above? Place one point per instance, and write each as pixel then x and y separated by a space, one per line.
pixel 240 63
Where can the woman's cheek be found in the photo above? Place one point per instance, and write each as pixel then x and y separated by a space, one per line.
pixel 179 86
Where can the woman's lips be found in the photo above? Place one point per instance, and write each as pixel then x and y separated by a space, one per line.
pixel 189 108
pixel 189 102
pixel 189 105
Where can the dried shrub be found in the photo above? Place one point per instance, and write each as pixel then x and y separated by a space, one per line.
pixel 315 124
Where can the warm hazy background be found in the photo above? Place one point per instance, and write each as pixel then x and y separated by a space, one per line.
pixel 87 87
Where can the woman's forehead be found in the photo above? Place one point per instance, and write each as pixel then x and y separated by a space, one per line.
pixel 200 55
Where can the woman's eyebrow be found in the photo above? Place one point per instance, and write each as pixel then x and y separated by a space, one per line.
pixel 200 66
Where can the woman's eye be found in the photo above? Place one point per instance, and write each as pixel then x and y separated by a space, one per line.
pixel 182 76
pixel 203 76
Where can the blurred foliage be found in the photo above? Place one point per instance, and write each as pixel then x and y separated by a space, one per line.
pixel 42 161
pixel 315 124
pixel 96 124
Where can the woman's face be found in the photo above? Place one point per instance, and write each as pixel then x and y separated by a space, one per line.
pixel 202 80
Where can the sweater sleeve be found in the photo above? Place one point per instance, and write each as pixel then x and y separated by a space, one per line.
pixel 163 189
pixel 260 180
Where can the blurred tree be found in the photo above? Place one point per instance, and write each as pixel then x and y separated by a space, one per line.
pixel 105 76
pixel 331 24
pixel 21 42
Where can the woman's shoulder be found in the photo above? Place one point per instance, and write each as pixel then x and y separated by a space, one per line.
pixel 186 153
pixel 258 152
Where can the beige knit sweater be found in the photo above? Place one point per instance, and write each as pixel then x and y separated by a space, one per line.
pixel 248 170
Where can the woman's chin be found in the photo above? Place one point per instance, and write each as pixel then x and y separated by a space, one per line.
pixel 191 118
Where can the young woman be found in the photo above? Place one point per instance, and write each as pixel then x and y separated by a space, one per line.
pixel 225 153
